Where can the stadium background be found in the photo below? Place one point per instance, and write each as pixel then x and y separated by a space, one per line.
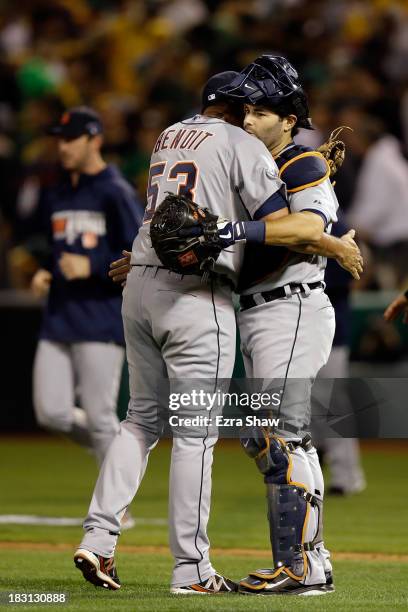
pixel 142 65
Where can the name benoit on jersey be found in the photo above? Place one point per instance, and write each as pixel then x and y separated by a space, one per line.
pixel 183 138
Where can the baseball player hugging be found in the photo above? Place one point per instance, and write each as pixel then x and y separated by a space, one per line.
pixel 287 324
pixel 181 328
pixel 179 323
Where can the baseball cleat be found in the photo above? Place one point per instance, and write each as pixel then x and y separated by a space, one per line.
pixel 214 585
pixel 98 570
pixel 278 582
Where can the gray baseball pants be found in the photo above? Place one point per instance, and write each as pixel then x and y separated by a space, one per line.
pixel 288 340
pixel 177 329
pixel 89 370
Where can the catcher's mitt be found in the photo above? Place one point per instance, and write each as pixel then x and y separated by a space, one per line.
pixel 184 235
pixel 334 150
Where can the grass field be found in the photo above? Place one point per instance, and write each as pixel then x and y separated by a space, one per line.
pixel 50 477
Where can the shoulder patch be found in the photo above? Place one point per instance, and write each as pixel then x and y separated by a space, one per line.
pixel 305 170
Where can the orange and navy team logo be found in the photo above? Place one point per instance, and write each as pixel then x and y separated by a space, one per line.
pixel 86 225
pixel 187 259
pixel 65 118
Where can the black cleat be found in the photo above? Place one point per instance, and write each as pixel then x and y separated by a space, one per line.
pixel 98 570
pixel 277 582
pixel 214 585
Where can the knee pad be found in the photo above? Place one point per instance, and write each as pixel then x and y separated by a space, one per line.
pixel 269 452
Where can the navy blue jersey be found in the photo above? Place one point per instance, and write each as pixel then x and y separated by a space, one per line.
pixel 99 217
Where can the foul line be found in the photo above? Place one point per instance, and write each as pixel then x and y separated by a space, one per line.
pixel 237 552
pixel 61 521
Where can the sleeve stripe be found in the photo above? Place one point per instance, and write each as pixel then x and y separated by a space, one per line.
pixel 275 202
pixel 317 212
pixel 307 154
pixel 295 189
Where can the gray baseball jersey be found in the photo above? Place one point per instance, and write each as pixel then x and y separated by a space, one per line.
pixel 286 341
pixel 308 188
pixel 217 165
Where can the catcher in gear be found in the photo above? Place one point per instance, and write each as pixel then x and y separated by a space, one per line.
pixel 282 297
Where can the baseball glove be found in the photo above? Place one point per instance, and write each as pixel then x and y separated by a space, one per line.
pixel 184 236
pixel 334 150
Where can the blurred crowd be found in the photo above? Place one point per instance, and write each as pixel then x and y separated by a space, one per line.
pixel 142 64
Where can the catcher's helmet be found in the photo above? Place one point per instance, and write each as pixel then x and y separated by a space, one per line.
pixel 271 81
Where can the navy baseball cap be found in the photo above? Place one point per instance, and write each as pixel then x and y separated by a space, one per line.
pixel 76 122
pixel 210 94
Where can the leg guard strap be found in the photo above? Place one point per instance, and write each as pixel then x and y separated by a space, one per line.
pixel 314 501
pixel 305 443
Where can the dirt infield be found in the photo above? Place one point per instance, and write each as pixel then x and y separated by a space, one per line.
pixel 237 552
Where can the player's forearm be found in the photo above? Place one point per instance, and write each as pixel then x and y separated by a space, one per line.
pixel 296 229
pixel 291 230
pixel 328 246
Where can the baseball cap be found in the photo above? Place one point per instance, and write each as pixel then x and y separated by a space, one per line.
pixel 77 121
pixel 210 93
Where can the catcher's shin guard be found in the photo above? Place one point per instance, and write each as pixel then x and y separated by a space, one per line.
pixel 289 508
pixel 288 514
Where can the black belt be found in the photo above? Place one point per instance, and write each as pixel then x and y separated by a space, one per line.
pixel 222 279
pixel 248 301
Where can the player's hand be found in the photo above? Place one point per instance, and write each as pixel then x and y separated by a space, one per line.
pixel 227 233
pixel 397 307
pixel 120 268
pixel 74 267
pixel 350 257
pixel 40 283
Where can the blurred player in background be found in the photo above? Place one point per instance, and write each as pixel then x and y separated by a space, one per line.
pixel 341 454
pixel 88 217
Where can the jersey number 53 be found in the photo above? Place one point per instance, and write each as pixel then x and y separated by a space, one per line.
pixel 185 173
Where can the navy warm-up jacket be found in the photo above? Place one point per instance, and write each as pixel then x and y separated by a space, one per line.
pixel 99 217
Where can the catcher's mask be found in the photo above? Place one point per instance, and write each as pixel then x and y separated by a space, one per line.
pixel 272 81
